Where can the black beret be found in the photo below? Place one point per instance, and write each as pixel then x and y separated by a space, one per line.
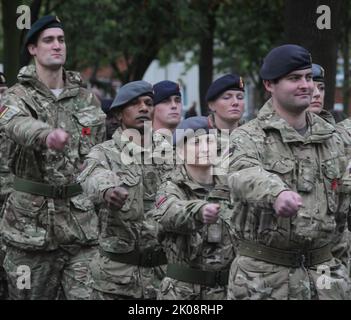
pixel 2 80
pixel 318 72
pixel 130 91
pixel 165 89
pixel 40 25
pixel 106 104
pixel 284 59
pixel 229 81
pixel 190 127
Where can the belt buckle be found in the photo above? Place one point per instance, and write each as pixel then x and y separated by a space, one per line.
pixel 304 259
pixel 58 192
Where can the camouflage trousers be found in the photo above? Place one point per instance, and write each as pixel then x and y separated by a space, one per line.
pixel 3 276
pixel 172 289
pixel 254 279
pixel 111 280
pixel 48 275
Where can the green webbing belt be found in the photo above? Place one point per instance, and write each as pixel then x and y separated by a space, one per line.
pixel 146 258
pixel 46 190
pixel 291 258
pixel 197 276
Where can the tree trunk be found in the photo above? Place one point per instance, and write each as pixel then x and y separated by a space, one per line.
pixel 11 40
pixel 206 62
pixel 301 28
pixel 345 47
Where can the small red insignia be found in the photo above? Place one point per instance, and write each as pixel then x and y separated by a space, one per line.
pixel 334 184
pixel 160 201
pixel 3 110
pixel 86 132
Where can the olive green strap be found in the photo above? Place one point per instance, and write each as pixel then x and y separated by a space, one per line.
pixel 46 190
pixel 197 276
pixel 146 258
pixel 287 258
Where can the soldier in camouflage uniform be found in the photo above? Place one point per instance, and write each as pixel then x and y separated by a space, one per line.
pixel 121 176
pixel 5 186
pixel 192 207
pixel 225 98
pixel 290 190
pixel 49 226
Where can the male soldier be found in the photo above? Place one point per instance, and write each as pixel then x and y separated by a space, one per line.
pixel 168 106
pixel 193 209
pixel 5 183
pixel 287 174
pixel 121 177
pixel 49 226
pixel 167 115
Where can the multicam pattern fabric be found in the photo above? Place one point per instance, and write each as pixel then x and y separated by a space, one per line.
pixel 35 225
pixel 35 222
pixel 119 162
pixel 270 157
pixel 187 241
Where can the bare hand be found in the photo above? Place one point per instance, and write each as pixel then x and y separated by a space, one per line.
pixel 287 204
pixel 57 139
pixel 116 197
pixel 210 213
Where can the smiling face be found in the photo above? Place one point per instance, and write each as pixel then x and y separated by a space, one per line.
pixel 135 113
pixel 317 103
pixel 229 106
pixel 50 49
pixel 293 92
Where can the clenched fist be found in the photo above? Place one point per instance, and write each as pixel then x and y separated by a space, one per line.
pixel 210 213
pixel 287 204
pixel 116 197
pixel 57 139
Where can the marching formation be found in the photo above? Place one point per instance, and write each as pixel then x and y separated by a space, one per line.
pixel 140 204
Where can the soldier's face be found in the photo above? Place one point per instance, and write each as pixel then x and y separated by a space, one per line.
pixel 293 92
pixel 200 150
pixel 229 106
pixel 50 49
pixel 136 113
pixel 168 112
pixel 317 103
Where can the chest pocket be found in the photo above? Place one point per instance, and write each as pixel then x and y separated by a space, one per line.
pixel 306 175
pixel 332 180
pixel 89 123
pixel 283 168
pixel 133 207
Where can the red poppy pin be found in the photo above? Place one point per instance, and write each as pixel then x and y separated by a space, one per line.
pixel 86 132
pixel 334 184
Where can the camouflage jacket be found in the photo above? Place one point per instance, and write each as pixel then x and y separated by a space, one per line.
pixel 5 174
pixel 109 165
pixel 270 157
pixel 185 238
pixel 29 111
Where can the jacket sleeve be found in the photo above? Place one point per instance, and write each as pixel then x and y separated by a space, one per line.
pixel 174 212
pixel 97 175
pixel 20 125
pixel 248 180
